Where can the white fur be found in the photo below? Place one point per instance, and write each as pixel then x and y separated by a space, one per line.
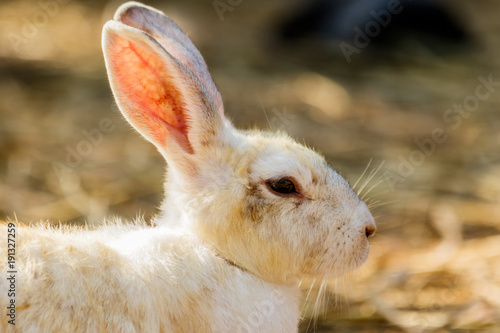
pixel 227 252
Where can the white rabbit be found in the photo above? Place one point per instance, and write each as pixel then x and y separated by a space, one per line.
pixel 247 214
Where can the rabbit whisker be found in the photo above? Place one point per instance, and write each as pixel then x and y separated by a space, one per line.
pixel 370 177
pixel 362 174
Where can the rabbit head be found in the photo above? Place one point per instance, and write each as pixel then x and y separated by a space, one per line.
pixel 262 201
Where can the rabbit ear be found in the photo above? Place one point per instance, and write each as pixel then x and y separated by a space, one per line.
pixel 171 37
pixel 157 94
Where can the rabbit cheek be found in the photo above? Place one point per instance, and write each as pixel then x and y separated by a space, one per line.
pixel 256 206
pixel 315 256
pixel 255 209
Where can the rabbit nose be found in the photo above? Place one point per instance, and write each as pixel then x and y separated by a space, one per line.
pixel 367 218
pixel 370 230
pixel 370 226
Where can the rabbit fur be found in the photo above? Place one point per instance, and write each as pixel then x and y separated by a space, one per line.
pixel 227 250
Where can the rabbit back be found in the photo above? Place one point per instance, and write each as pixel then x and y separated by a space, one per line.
pixel 141 279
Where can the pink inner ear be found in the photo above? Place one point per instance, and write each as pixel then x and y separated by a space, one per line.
pixel 156 107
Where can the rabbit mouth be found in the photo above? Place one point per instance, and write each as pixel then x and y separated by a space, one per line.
pixel 351 262
pixel 364 256
pixel 361 255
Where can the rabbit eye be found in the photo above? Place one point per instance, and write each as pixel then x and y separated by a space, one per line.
pixel 283 186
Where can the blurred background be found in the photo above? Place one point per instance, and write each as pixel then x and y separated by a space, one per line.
pixel 402 95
